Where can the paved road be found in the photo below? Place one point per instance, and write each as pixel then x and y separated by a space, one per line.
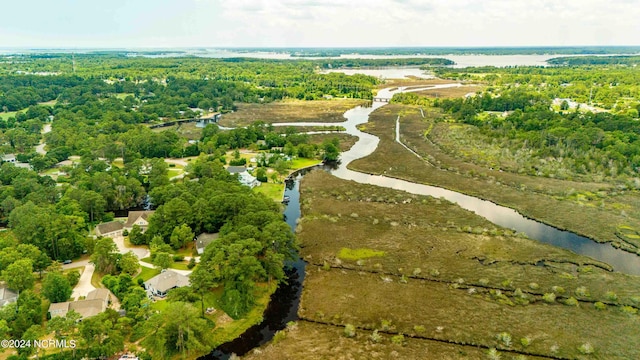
pixel 40 148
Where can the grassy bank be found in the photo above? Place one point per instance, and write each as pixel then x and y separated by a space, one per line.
pixel 290 111
pixel 313 341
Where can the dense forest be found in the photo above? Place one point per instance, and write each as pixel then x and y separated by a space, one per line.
pixel 440 51
pixel 595 60
pixel 100 117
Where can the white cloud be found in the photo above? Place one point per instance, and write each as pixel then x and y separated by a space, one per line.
pixel 325 23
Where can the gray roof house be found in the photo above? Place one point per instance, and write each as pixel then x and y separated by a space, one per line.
pixel 109 229
pixel 96 302
pixel 160 284
pixel 7 296
pixel 244 177
pixel 140 218
pixel 236 169
pixel 203 240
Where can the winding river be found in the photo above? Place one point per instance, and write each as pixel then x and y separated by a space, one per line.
pixel 620 260
pixel 284 303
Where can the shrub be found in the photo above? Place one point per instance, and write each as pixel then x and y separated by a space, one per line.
pixel 125 232
pixel 610 295
pixel 483 282
pixel 525 341
pixel 191 264
pixel 398 339
pixel 493 354
pixel 435 272
pixel 600 306
pixel 572 302
pixel 419 329
pixel 586 348
pixel 558 289
pixel 629 310
pixel 582 291
pixel 385 325
pixel 534 286
pixel 73 277
pixel 505 338
pixel 375 337
pixel 549 297
pixel 417 271
pixel 349 331
pixel 178 257
pixel 279 336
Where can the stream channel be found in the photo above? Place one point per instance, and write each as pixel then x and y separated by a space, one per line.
pixel 283 306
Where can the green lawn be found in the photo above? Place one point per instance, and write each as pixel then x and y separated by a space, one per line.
pixel 178 265
pixel 7 115
pixel 271 190
pixel 48 103
pixel 96 280
pixel 124 95
pixel 119 163
pixel 160 305
pixel 300 163
pixel 173 172
pixel 146 274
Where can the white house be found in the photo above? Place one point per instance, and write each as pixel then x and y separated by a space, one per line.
pixel 245 178
pixel 140 218
pixel 10 158
pixel 110 229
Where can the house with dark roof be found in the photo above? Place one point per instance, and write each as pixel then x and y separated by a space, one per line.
pixel 140 218
pixel 7 296
pixel 96 302
pixel 203 240
pixel 160 284
pixel 109 229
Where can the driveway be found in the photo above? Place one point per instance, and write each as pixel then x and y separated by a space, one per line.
pixel 84 283
pixel 141 253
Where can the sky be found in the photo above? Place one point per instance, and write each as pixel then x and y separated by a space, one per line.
pixel 316 23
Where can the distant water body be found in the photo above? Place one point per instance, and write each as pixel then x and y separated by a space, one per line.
pixel 461 61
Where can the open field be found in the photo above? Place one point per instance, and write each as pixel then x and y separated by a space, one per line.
pixel 187 130
pixel 290 111
pixel 346 140
pixel 7 115
pixel 531 196
pixel 311 341
pixel 453 92
pixel 434 272
pixel 271 190
pixel 412 82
